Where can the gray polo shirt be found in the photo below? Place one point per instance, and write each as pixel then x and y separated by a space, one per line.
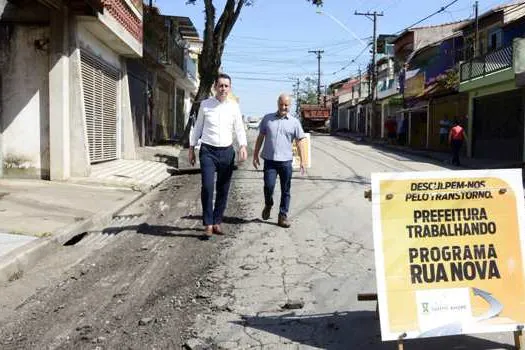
pixel 279 132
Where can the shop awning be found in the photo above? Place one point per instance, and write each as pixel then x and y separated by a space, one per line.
pixel 418 106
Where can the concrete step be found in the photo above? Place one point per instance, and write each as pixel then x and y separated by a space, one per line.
pixel 140 175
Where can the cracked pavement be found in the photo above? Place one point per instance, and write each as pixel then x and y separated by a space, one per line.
pixel 318 266
pixel 147 281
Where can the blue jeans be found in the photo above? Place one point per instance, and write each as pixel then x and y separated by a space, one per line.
pixel 213 160
pixel 284 170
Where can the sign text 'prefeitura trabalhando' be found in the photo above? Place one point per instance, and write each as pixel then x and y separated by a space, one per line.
pixel 449 252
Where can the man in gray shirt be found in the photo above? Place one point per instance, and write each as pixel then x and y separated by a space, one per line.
pixel 278 130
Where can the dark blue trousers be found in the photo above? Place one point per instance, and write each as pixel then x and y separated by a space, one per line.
pixel 213 160
pixel 284 170
pixel 456 147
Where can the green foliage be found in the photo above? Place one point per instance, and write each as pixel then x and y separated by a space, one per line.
pixel 449 80
pixel 308 91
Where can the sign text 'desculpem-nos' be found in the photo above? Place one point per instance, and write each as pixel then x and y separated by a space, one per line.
pixel 449 252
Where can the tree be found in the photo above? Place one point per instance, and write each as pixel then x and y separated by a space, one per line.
pixel 215 34
pixel 308 93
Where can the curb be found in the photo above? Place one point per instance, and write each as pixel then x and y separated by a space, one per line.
pixel 15 262
pixel 421 154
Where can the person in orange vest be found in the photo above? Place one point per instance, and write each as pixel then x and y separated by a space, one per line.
pixel 456 136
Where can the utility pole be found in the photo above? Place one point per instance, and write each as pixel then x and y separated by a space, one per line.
pixel 359 72
pixel 476 30
pixel 297 85
pixel 373 17
pixel 318 53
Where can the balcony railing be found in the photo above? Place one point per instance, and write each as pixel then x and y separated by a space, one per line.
pixel 490 63
pixel 125 16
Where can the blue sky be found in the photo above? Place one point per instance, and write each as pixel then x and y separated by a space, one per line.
pixel 267 50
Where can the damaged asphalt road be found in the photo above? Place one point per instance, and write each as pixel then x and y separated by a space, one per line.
pixel 148 282
pixel 137 284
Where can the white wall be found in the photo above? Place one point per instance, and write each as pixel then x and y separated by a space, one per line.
pixel 89 42
pixel 25 104
pixel 127 134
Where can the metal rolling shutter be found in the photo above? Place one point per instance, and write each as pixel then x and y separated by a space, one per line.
pixel 100 84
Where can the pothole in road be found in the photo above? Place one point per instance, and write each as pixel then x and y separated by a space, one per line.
pixel 75 239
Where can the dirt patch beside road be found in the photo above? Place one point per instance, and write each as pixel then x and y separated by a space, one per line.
pixel 135 286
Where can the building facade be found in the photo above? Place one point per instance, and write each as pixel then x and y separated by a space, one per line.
pixel 72 108
pixel 490 78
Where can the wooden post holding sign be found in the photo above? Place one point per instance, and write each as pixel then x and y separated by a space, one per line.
pixel 296 162
pixel 449 253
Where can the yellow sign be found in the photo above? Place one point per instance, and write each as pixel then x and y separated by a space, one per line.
pixel 296 162
pixel 449 252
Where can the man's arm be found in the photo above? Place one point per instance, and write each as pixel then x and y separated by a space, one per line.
pixel 241 134
pixel 258 144
pixel 300 140
pixel 197 133
pixel 301 144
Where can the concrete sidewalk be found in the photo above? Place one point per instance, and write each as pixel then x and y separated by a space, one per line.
pixel 36 215
pixel 443 157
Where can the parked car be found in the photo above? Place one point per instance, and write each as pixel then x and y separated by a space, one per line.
pixel 254 123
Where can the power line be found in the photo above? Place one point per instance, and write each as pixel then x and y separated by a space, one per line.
pixel 429 16
pixel 263 79
pixel 269 39
pixel 373 17
pixel 280 73
pixel 353 60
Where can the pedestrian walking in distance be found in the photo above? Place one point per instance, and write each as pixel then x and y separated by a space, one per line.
pixel 456 137
pixel 217 120
pixel 277 131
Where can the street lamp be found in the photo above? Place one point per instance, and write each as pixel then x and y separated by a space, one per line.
pixel 320 12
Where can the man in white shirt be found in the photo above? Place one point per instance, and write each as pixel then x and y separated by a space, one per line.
pixel 217 119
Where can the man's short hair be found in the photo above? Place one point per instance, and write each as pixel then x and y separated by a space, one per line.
pixel 223 76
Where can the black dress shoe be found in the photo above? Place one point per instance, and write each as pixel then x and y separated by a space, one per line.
pixel 266 212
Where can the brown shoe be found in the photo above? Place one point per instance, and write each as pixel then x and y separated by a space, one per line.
pixel 283 221
pixel 208 231
pixel 217 229
pixel 266 212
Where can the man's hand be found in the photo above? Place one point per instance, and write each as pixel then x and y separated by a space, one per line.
pixel 243 154
pixel 191 156
pixel 256 161
pixel 303 169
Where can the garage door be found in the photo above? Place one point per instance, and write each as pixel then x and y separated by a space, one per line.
pixel 498 126
pixel 100 86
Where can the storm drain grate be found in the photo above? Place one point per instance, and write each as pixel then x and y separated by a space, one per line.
pixel 121 223
pixel 118 224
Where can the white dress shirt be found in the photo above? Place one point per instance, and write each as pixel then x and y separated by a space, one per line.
pixel 216 122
